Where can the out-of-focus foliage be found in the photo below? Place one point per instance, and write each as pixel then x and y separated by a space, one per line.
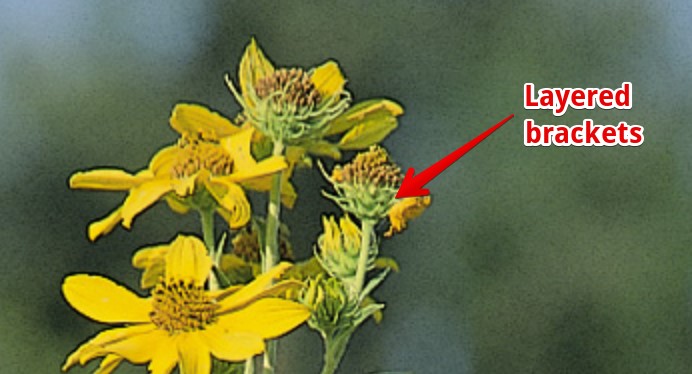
pixel 542 260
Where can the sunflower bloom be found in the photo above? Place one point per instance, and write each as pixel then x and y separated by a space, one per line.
pixel 199 172
pixel 181 324
pixel 290 106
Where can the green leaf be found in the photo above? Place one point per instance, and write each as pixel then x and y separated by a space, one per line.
pixel 363 112
pixel 370 131
pixel 324 148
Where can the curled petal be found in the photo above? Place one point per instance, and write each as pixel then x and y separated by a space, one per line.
pixel 132 343
pixel 197 120
pixel 104 225
pixel 405 210
pixel 254 65
pixel 233 204
pixel 108 364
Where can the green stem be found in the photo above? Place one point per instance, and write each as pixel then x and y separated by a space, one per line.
pixel 207 218
pixel 271 247
pixel 249 366
pixel 334 349
pixel 366 232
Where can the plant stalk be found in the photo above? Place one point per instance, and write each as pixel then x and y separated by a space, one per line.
pixel 271 247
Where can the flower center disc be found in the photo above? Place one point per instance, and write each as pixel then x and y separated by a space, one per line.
pixel 289 87
pixel 195 155
pixel 180 306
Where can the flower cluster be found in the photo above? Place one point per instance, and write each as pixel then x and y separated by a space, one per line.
pixel 212 307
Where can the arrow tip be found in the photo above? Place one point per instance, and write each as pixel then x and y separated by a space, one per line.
pixel 411 186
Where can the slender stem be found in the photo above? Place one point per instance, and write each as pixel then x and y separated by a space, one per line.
pixel 366 232
pixel 271 243
pixel 271 248
pixel 334 349
pixel 207 218
pixel 249 366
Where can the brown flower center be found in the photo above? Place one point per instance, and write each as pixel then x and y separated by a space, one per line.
pixel 180 306
pixel 372 167
pixel 246 245
pixel 289 87
pixel 195 155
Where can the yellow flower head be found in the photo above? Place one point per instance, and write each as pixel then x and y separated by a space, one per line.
pixel 181 324
pixel 200 171
pixel 405 210
pixel 289 105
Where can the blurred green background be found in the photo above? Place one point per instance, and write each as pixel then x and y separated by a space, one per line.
pixel 531 260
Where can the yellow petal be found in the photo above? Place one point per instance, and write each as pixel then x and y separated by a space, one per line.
pixel 252 289
pixel 151 260
pixel 186 186
pixel 104 225
pixel 328 79
pixel 366 111
pixel 232 345
pixel 106 180
pixel 187 260
pixel 239 146
pixel 196 120
pixel 104 301
pixel 142 197
pixel 194 354
pixel 148 256
pixel 269 318
pixel 405 210
pixel 268 166
pixel 166 357
pixel 254 65
pixel 245 165
pixel 104 343
pixel 138 349
pixel 108 364
pixel 235 208
pixel 162 163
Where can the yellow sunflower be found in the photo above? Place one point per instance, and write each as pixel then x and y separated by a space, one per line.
pixel 200 171
pixel 305 108
pixel 181 324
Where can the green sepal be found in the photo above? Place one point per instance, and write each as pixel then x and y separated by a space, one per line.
pixel 222 367
pixel 223 280
pixel 374 282
pixel 386 263
pixel 323 148
pixel 378 315
pixel 236 270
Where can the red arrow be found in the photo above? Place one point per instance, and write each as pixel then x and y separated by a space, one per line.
pixel 413 185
